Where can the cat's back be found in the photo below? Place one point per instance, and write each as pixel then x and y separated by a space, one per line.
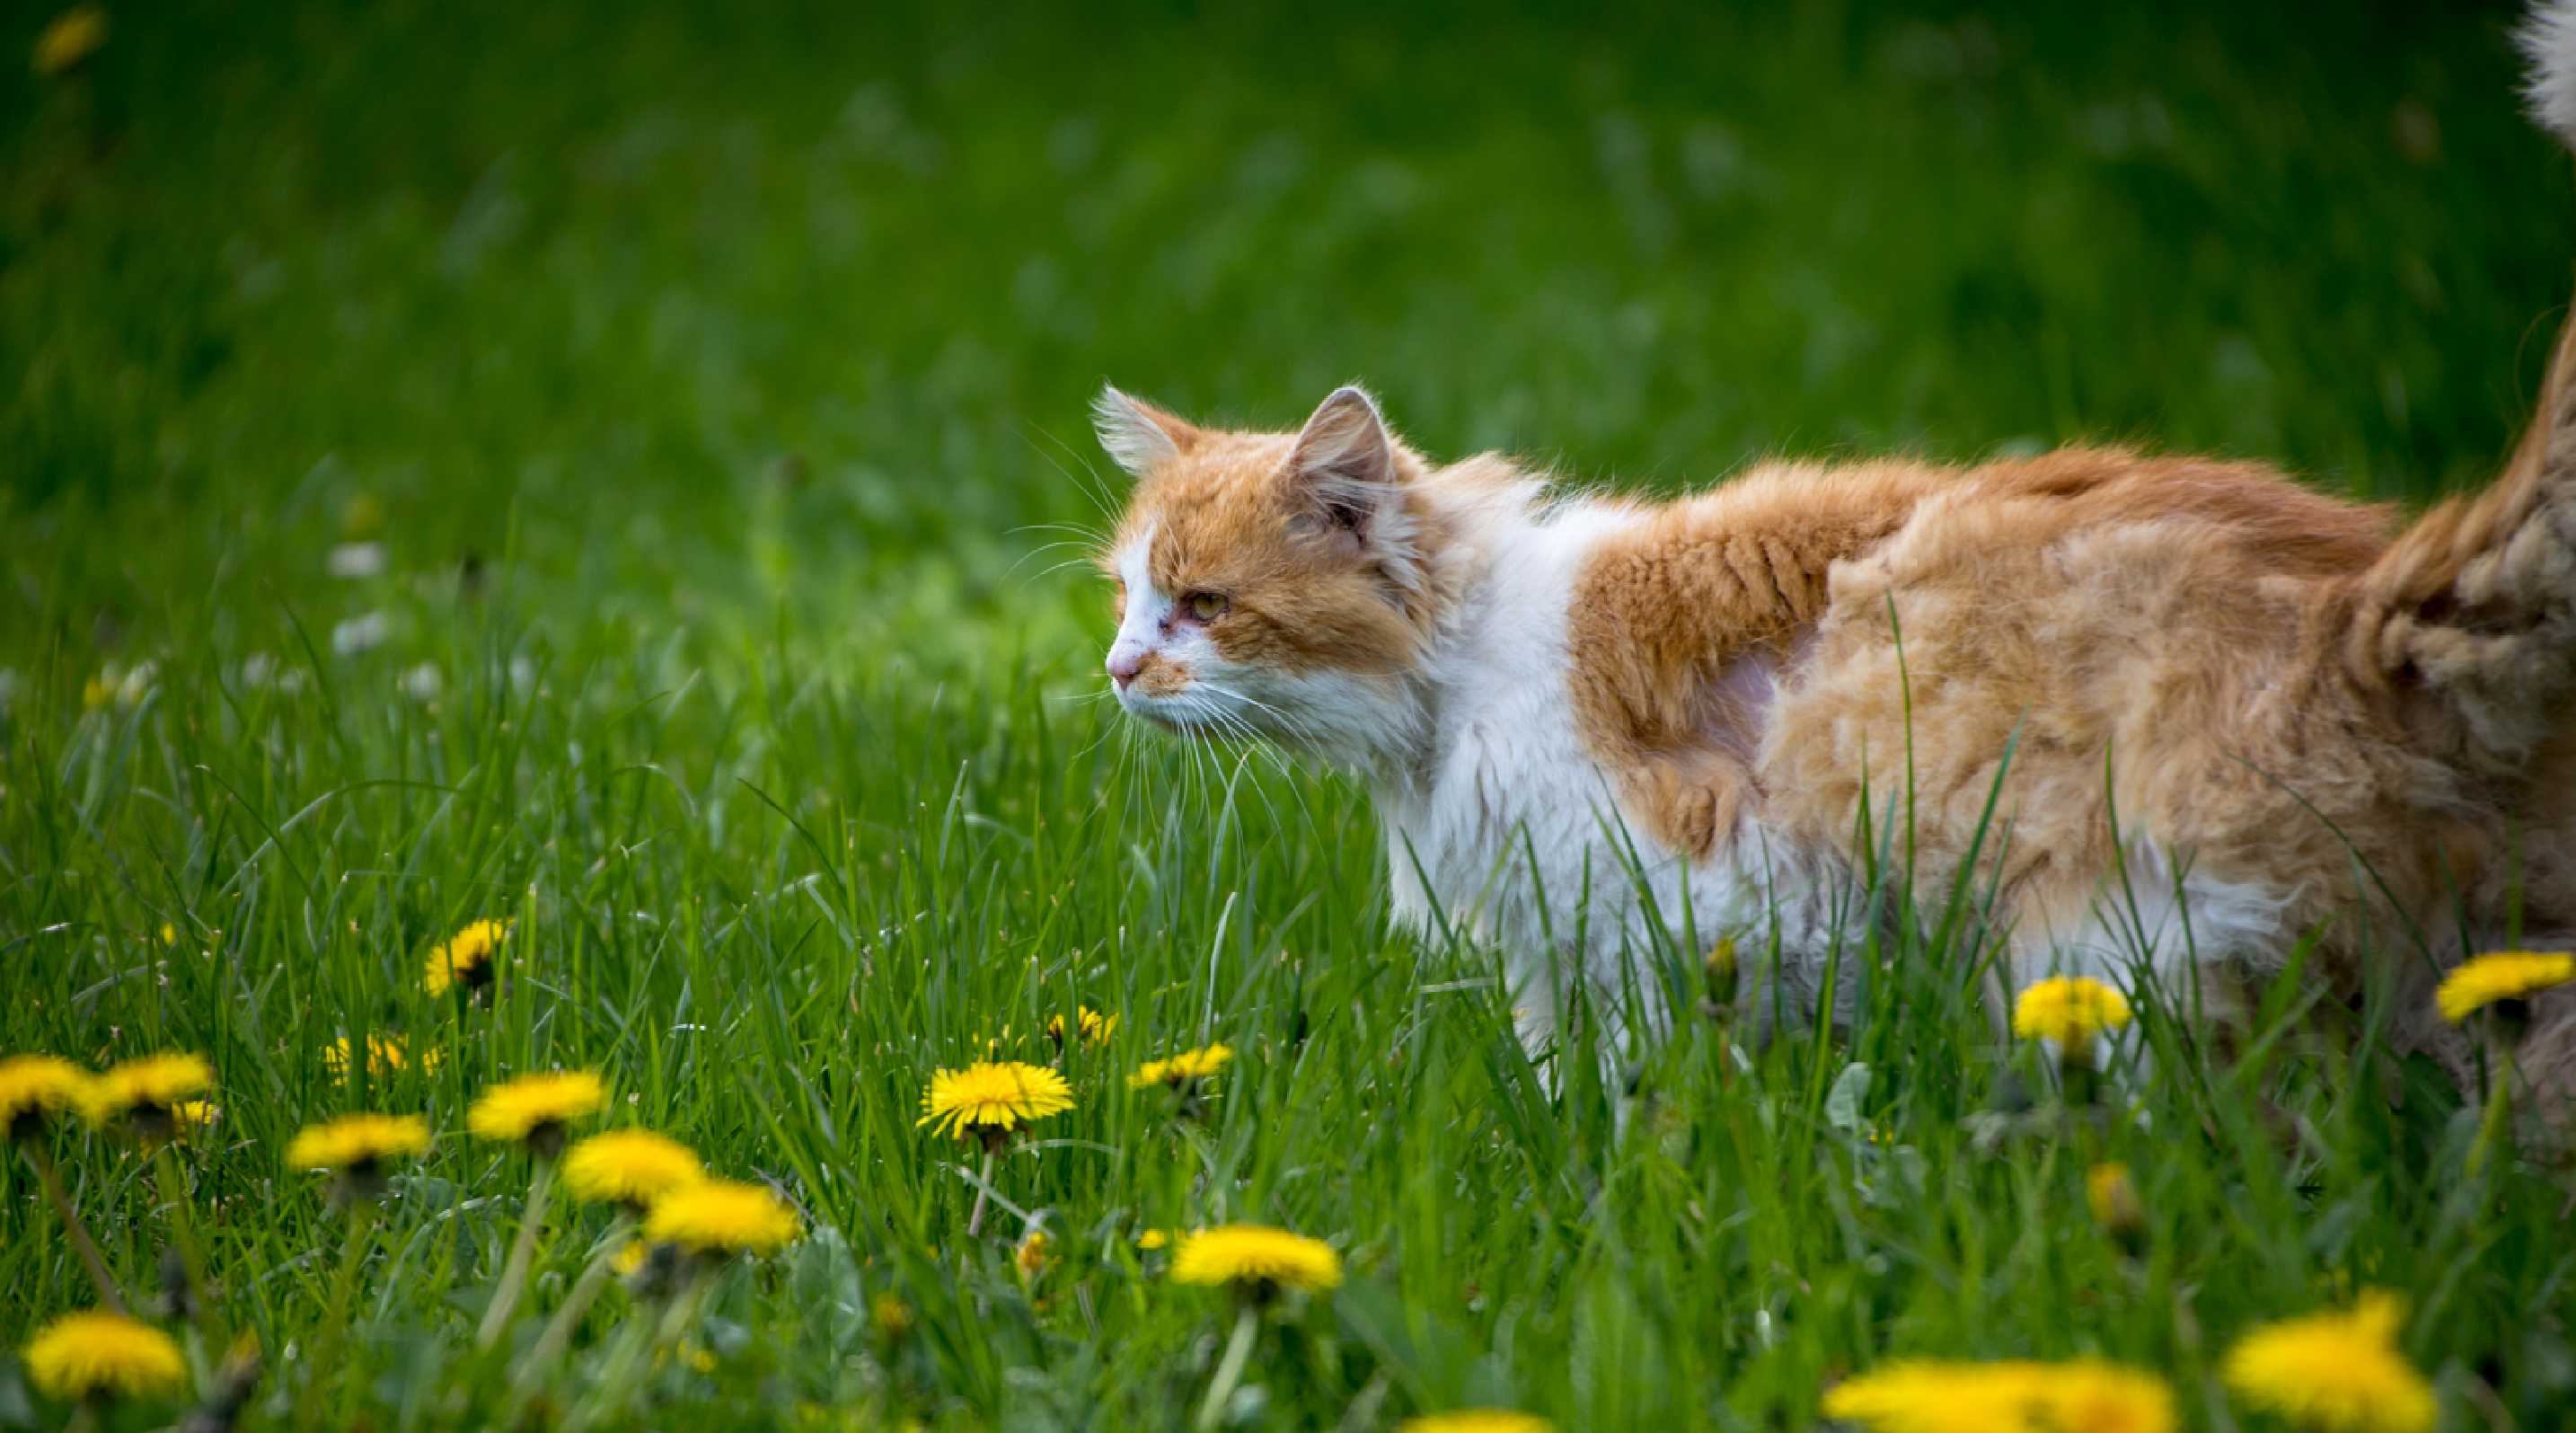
pixel 2249 511
pixel 2087 614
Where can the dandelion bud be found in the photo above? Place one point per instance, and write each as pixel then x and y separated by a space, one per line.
pixel 653 1271
pixel 178 1295
pixel 1032 1256
pixel 2116 1206
pixel 1721 972
pixel 234 1384
pixel 890 1317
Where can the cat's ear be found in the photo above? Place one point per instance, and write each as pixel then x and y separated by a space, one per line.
pixel 1345 460
pixel 1139 436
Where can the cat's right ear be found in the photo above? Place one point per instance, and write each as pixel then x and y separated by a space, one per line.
pixel 1139 436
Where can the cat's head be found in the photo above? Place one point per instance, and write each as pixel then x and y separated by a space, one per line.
pixel 1270 584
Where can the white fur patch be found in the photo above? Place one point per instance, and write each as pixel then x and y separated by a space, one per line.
pixel 2548 39
pixel 2141 918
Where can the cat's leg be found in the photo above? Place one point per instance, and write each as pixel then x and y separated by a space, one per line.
pixel 1778 916
pixel 2545 1067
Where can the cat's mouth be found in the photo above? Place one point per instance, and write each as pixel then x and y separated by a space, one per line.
pixel 1177 715
pixel 1164 719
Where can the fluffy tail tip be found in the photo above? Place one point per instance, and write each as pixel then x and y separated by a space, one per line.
pixel 2548 40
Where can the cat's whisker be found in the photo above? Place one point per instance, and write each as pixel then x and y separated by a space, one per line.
pixel 1051 570
pixel 1080 530
pixel 1113 728
pixel 1046 547
pixel 1087 481
pixel 1298 727
pixel 1256 703
pixel 1250 745
pixel 1288 776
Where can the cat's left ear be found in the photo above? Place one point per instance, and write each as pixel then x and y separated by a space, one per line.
pixel 1138 435
pixel 1351 472
pixel 1345 460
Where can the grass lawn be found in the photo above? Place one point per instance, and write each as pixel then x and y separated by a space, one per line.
pixel 593 468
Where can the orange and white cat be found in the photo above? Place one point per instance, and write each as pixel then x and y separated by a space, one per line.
pixel 2217 712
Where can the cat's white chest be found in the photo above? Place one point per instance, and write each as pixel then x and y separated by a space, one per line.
pixel 1511 831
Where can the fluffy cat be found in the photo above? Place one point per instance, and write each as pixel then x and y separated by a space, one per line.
pixel 2216 712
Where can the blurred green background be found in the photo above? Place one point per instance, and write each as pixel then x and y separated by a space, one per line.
pixel 780 320
pixel 680 406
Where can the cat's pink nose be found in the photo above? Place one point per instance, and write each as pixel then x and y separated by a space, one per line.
pixel 1125 661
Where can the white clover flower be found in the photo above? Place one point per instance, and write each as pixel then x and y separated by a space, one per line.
pixel 361 633
pixel 355 560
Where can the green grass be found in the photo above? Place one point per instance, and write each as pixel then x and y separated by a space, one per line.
pixel 707 379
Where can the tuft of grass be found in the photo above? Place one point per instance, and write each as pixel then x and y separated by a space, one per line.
pixel 706 383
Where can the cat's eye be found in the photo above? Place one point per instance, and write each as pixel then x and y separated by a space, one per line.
pixel 1204 606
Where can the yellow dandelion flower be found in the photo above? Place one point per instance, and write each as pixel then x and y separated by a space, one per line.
pixel 385 1056
pixel 1927 1396
pixel 1255 1256
pixel 633 1167
pixel 992 1097
pixel 37 1088
pixel 195 1117
pixel 74 36
pixel 2091 1396
pixel 169 934
pixel 1032 1256
pixel 1933 1396
pixel 1182 1068
pixel 2070 1009
pixel 357 1142
pixel 534 1109
pixel 96 1354
pixel 722 1216
pixel 1153 1239
pixel 2505 975
pixel 1095 1027
pixel 146 1090
pixel 2335 1372
pixel 628 1258
pixel 1476 1420
pixel 465 958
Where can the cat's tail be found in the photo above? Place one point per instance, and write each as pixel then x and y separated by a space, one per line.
pixel 2474 606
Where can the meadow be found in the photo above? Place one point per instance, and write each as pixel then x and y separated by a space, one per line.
pixel 598 469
